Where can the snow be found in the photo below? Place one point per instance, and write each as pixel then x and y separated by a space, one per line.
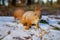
pixel 10 30
pixel 45 17
pixel 51 20
pixel 53 35
pixel 54 22
pixel 44 26
pixel 6 19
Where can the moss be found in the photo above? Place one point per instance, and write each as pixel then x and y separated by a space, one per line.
pixel 44 22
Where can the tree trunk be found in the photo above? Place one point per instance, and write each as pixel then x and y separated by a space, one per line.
pixel 3 2
pixel 14 2
pixel 58 1
pixel 28 2
pixel 40 2
pixel 51 2
pixel 0 2
pixel 48 4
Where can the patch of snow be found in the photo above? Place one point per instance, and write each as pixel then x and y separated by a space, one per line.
pixel 45 27
pixel 4 31
pixel 17 31
pixel 52 35
pixel 36 38
pixel 44 17
pixel 6 19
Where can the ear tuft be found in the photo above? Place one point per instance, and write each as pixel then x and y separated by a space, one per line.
pixel 37 7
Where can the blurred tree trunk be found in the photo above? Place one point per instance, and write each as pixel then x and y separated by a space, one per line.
pixel 40 2
pixel 9 1
pixel 14 2
pixel 0 2
pixel 51 2
pixel 32 1
pixel 28 2
pixel 48 3
pixel 58 1
pixel 3 2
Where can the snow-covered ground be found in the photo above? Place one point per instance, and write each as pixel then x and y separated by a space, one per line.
pixel 10 30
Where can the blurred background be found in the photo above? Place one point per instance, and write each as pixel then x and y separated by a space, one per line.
pixel 48 7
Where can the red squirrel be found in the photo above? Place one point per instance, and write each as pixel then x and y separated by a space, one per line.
pixel 31 17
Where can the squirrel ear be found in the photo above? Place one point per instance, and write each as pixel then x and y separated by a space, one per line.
pixel 37 7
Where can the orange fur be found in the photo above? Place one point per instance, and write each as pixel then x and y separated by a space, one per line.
pixel 18 13
pixel 31 17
